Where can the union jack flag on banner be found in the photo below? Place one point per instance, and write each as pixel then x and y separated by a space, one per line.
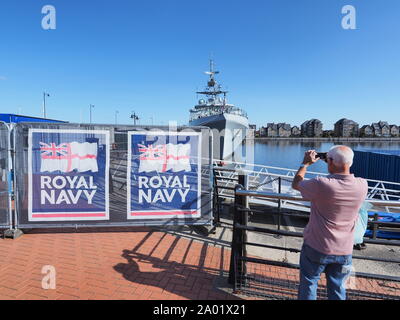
pixel 162 158
pixel 68 175
pixel 67 157
pixel 164 175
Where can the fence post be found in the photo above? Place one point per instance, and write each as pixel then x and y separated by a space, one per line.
pixel 279 203
pixel 375 227
pixel 217 217
pixel 277 236
pixel 238 249
pixel 13 232
pixel 244 219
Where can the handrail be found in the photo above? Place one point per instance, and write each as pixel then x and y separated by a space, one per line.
pixel 287 196
pixel 291 178
pixel 295 170
pixel 268 167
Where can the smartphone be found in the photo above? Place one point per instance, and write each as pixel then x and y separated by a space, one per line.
pixel 322 155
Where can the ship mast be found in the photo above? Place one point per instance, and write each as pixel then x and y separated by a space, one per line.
pixel 213 88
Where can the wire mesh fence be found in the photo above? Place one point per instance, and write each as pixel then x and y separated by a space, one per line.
pixel 265 279
pixel 48 180
pixel 4 177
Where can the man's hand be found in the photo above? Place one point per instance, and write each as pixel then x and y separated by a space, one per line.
pixel 310 157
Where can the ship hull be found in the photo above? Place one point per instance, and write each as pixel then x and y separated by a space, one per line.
pixel 229 131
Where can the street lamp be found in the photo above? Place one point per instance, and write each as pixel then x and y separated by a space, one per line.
pixel 90 114
pixel 45 94
pixel 134 117
pixel 116 115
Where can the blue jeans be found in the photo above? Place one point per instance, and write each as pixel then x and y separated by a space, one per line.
pixel 313 263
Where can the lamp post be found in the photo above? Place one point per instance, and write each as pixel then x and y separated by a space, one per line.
pixel 90 113
pixel 134 117
pixel 45 94
pixel 116 116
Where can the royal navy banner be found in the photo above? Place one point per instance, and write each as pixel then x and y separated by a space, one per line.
pixel 164 179
pixel 68 175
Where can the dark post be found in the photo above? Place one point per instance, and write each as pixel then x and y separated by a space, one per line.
pixel 375 227
pixel 279 203
pixel 279 209
pixel 238 237
pixel 217 217
pixel 244 219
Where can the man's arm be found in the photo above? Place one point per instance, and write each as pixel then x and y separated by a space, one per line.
pixel 309 159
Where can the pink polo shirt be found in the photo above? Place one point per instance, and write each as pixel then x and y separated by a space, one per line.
pixel 335 202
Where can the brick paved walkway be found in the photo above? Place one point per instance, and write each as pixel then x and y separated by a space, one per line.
pixel 140 265
pixel 112 265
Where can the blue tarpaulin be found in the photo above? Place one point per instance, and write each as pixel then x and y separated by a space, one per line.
pixel 385 217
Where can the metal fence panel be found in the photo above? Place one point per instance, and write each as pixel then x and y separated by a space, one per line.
pixel 81 175
pixel 4 177
pixel 378 166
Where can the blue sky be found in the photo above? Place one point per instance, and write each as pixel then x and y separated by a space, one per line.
pixel 281 60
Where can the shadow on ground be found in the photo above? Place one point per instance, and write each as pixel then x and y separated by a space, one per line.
pixel 190 281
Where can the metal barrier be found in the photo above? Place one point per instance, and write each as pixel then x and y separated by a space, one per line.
pixel 125 176
pixel 5 177
pixel 275 179
pixel 279 280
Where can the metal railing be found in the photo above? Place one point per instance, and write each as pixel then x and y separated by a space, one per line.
pixel 252 275
pixel 278 180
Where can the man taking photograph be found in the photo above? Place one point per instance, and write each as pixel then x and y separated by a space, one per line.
pixel 329 234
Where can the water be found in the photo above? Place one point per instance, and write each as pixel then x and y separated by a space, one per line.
pixel 289 154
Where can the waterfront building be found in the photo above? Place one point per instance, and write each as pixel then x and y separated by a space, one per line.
pixel 284 130
pixel 251 131
pixel 394 130
pixel 253 126
pixel 381 129
pixel 366 131
pixel 295 131
pixel 385 128
pixel 311 128
pixel 377 132
pixel 272 130
pixel 328 133
pixel 346 128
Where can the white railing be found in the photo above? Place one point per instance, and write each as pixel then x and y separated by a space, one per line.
pixel 271 179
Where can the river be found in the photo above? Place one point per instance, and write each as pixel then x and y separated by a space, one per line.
pixel 289 154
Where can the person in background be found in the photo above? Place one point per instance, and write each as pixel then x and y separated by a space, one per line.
pixel 329 234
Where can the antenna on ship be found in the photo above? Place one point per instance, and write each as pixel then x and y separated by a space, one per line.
pixel 212 73
pixel 213 88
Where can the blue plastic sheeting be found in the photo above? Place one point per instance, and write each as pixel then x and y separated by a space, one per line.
pixel 14 118
pixel 385 217
pixel 377 166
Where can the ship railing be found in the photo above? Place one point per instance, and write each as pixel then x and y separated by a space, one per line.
pixel 272 179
